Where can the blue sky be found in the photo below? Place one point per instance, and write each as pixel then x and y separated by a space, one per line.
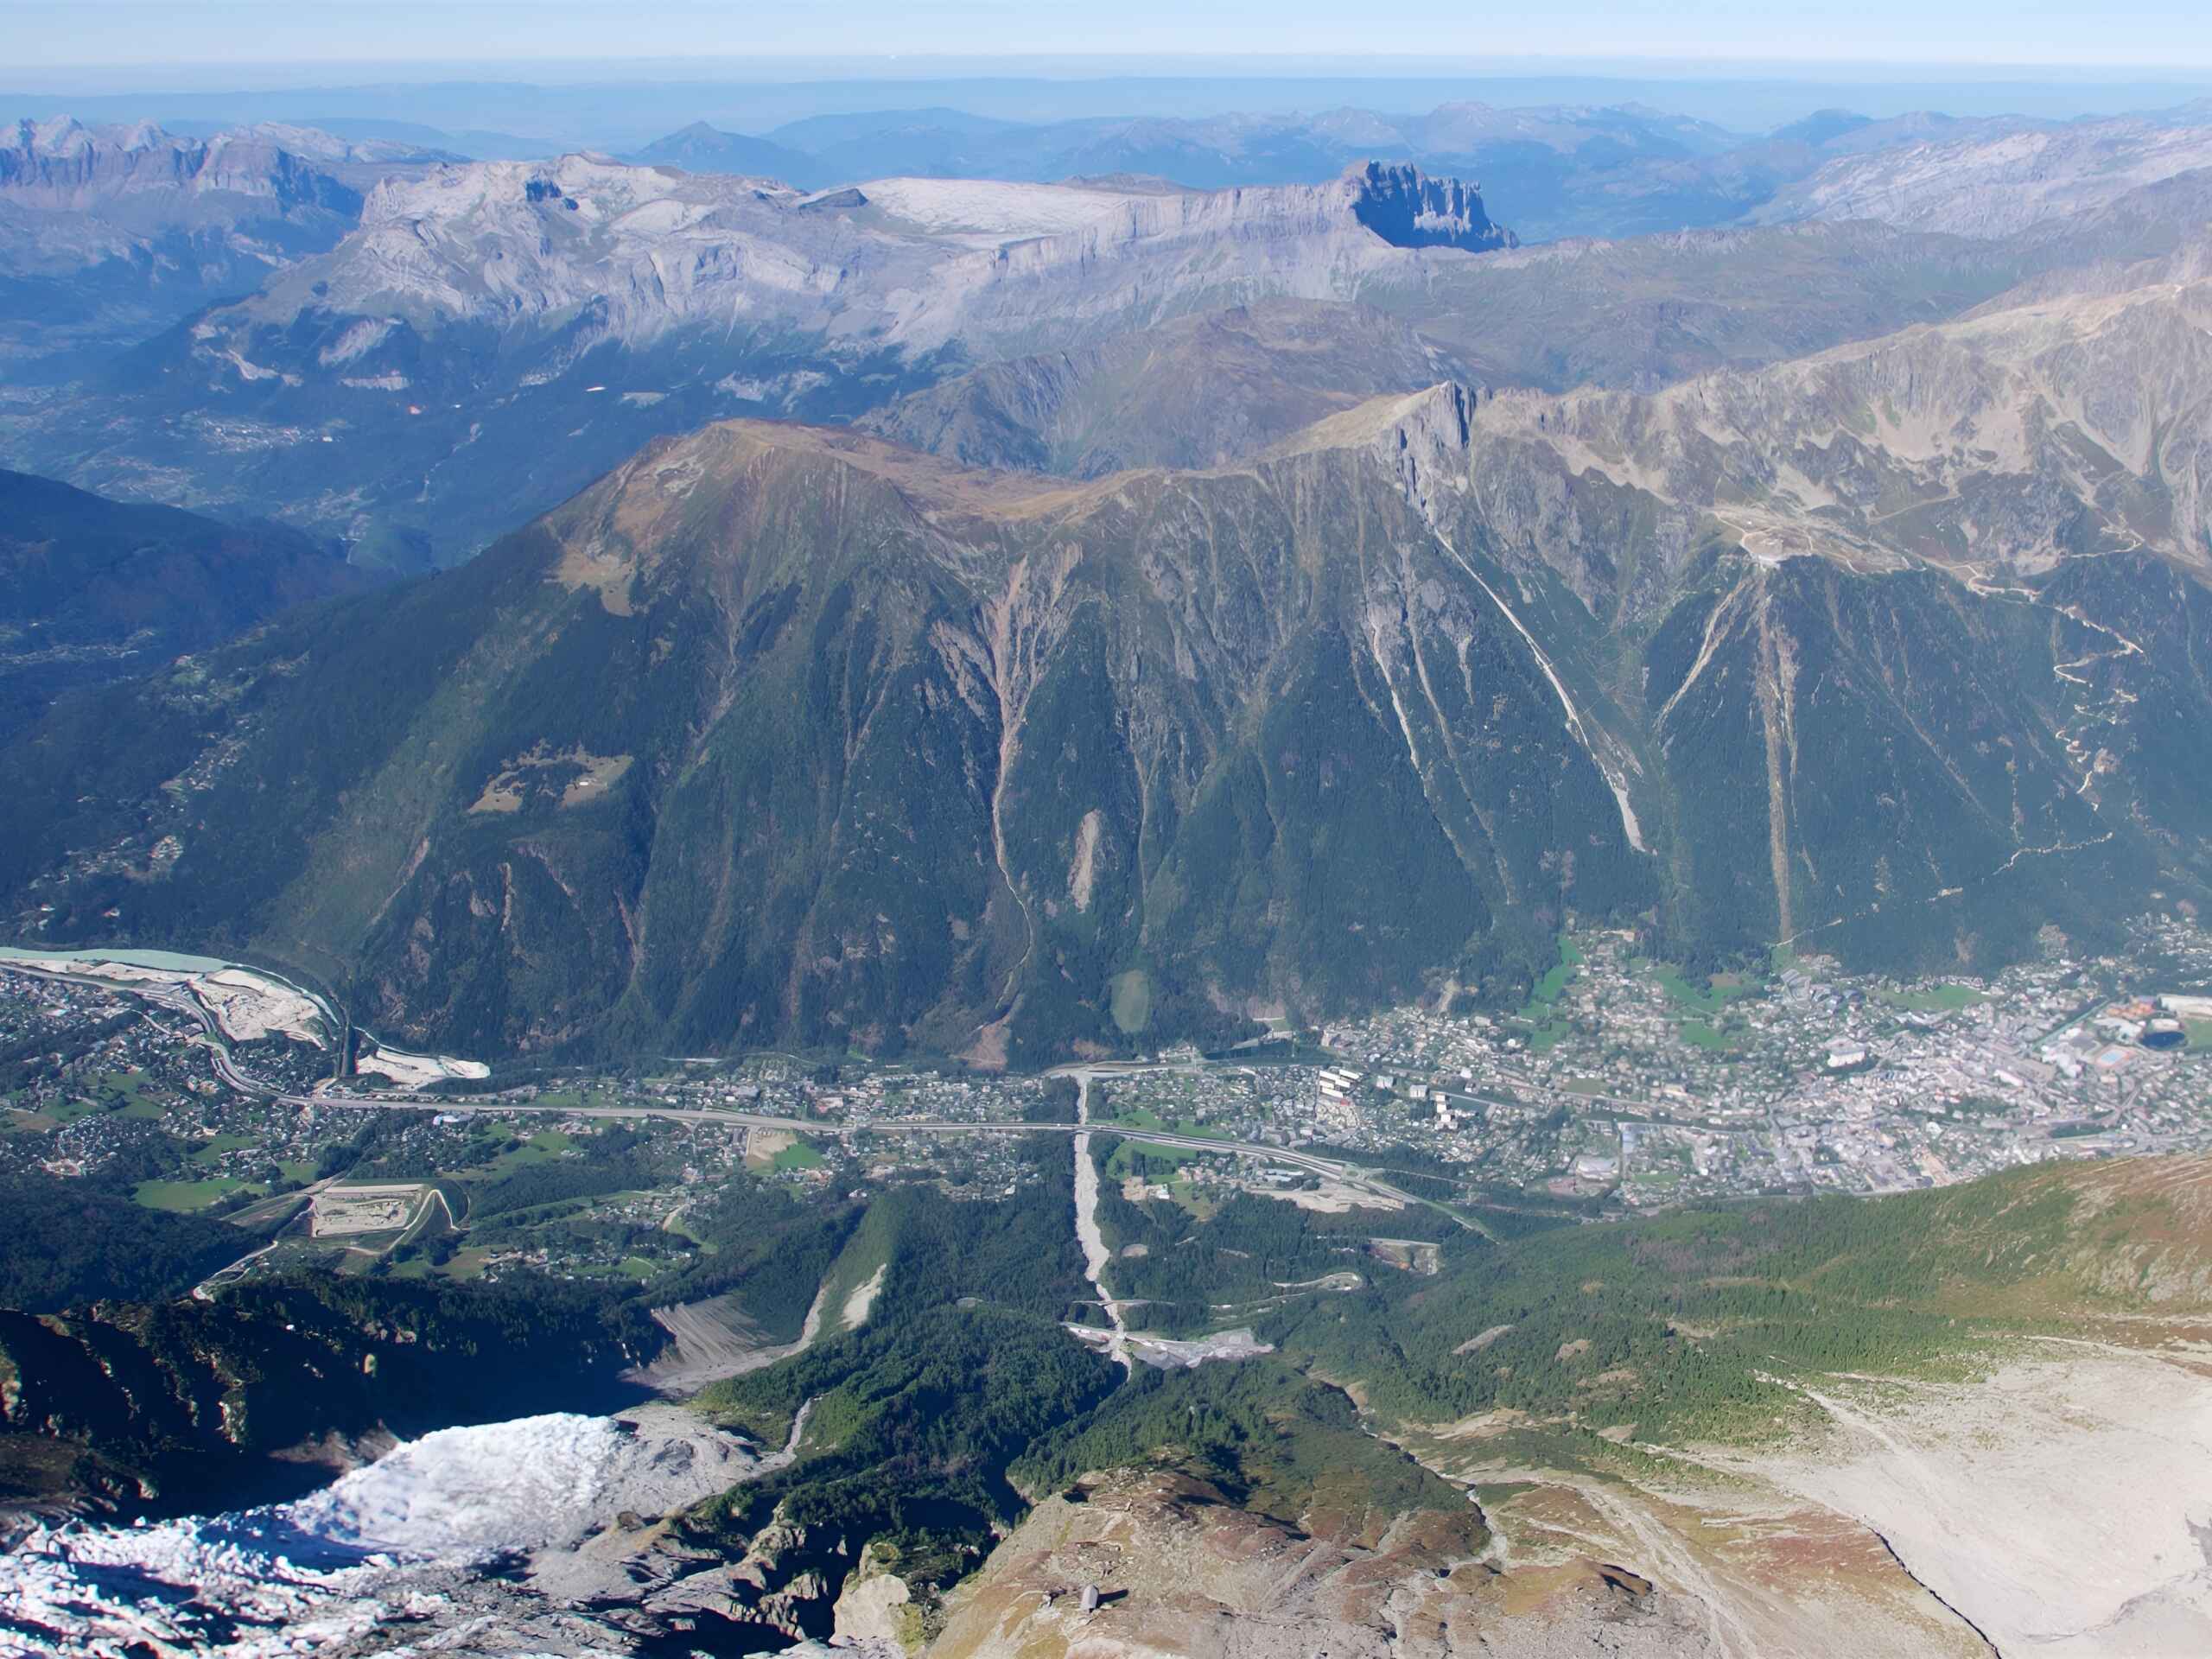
pixel 212 34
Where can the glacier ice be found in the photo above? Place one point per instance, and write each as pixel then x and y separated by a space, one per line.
pixel 392 1540
pixel 473 1491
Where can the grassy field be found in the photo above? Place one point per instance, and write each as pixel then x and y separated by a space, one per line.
pixel 1544 1028
pixel 1720 989
pixel 1548 988
pixel 185 1196
pixel 563 1097
pixel 800 1154
pixel 1135 1117
pixel 1703 1033
pixel 1942 998
pixel 537 1149
pixel 129 1088
pixel 1143 1118
pixel 1132 1005
pixel 1140 1158
pixel 1135 1158
pixel 1547 1036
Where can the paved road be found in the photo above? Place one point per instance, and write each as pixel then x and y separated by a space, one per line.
pixel 1349 1175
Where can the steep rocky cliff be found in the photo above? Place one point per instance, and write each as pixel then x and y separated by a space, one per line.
pixel 109 234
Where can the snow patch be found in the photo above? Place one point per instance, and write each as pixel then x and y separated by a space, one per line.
pixel 990 207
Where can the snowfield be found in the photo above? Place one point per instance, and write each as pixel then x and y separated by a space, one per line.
pixel 991 209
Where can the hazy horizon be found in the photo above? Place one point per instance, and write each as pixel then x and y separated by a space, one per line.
pixel 625 104
pixel 2136 34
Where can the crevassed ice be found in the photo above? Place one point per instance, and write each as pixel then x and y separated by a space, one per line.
pixel 287 1578
pixel 471 1491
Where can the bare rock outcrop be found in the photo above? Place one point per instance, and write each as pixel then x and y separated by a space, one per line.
pixel 1178 1568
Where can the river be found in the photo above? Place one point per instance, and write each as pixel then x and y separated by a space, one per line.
pixel 1095 1254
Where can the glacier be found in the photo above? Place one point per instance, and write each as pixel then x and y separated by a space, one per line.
pixel 421 1538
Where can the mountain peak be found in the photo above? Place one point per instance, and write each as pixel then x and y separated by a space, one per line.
pixel 1408 209
pixel 681 496
pixel 1436 418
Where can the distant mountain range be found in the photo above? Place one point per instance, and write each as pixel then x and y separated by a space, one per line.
pixel 784 734
pixel 1550 171
pixel 374 331
pixel 424 379
pixel 109 234
pixel 493 335
pixel 386 323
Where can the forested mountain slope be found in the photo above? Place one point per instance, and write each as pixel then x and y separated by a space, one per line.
pixel 782 734
pixel 93 590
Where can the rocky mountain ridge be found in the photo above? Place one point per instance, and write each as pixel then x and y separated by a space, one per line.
pixel 909 261
pixel 746 687
pixel 531 324
pixel 1200 391
pixel 2066 420
pixel 108 234
pixel 1997 178
pixel 466 323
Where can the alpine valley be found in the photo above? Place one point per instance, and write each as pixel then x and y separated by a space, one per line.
pixel 1146 885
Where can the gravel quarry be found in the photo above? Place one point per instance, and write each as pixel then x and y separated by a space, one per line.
pixel 713 1339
